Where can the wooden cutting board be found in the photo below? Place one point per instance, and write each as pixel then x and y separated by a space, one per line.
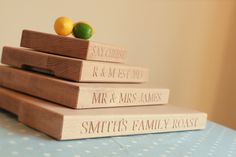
pixel 73 69
pixel 63 123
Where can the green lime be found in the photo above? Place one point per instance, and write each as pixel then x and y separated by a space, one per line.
pixel 82 30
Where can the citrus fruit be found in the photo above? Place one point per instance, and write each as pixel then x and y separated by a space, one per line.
pixel 82 30
pixel 63 26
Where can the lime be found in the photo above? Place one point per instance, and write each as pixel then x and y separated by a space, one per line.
pixel 63 26
pixel 82 30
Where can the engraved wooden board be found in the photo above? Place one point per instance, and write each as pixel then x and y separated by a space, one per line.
pixel 72 47
pixel 64 124
pixel 73 69
pixel 80 95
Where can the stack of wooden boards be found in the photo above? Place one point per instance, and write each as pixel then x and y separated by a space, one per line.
pixel 70 88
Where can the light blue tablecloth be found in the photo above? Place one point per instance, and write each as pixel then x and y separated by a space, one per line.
pixel 19 140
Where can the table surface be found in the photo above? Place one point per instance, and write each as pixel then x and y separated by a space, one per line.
pixel 17 139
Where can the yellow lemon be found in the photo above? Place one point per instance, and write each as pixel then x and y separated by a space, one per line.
pixel 63 26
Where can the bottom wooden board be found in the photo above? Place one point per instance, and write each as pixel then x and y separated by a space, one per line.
pixel 64 123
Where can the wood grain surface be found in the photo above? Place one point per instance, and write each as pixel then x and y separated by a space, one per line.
pixel 80 95
pixel 74 69
pixel 63 123
pixel 72 47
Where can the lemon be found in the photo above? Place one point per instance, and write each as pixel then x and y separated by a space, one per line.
pixel 63 26
pixel 82 30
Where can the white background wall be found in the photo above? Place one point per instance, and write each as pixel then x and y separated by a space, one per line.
pixel 189 45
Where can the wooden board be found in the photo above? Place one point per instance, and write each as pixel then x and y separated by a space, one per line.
pixel 80 95
pixel 73 69
pixel 63 123
pixel 72 47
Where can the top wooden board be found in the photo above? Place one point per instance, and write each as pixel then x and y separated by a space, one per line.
pixel 72 47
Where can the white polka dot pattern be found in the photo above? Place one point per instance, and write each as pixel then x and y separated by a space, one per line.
pixel 17 139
